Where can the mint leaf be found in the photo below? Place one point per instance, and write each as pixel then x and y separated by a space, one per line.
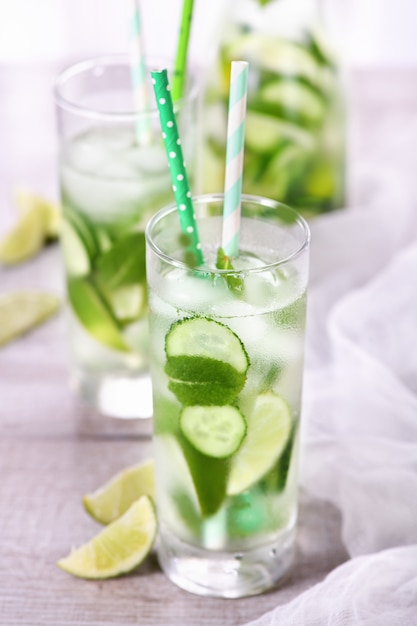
pixel 234 281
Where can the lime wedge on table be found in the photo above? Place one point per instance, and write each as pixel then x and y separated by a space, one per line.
pixel 206 362
pixel 269 428
pixel 22 310
pixel 119 548
pixel 25 239
pixel 94 314
pixel 113 499
pixel 27 201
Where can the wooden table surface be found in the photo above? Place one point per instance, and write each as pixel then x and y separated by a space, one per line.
pixel 53 450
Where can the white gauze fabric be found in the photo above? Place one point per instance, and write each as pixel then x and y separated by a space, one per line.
pixel 360 396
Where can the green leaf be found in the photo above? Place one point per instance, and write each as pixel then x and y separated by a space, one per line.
pixel 234 281
pixel 264 2
pixel 123 264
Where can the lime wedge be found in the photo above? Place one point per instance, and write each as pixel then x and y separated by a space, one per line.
pixel 124 263
pixel 269 428
pixel 113 499
pixel 22 310
pixel 27 201
pixel 24 240
pixel 94 314
pixel 209 476
pixel 119 548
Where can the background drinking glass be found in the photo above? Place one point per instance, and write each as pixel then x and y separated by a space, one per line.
pixel 227 362
pixel 111 183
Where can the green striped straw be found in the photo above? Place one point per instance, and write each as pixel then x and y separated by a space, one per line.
pixel 176 162
pixel 234 157
pixel 138 74
pixel 179 76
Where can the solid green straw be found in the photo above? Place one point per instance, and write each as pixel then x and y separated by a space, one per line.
pixel 176 162
pixel 178 80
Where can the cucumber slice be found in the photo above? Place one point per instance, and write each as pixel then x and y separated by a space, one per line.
pixel 207 338
pixel 206 362
pixel 216 431
pixel 94 314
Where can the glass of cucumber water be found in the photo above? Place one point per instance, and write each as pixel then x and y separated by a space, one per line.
pixel 227 351
pixel 112 180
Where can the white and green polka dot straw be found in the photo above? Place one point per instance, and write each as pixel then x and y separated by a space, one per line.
pixel 176 162
pixel 234 157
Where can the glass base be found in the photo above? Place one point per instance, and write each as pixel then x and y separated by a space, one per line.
pixel 115 395
pixel 225 575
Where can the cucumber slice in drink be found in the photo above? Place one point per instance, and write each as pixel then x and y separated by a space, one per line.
pixel 216 431
pixel 269 429
pixel 206 362
pixel 94 314
pixel 206 338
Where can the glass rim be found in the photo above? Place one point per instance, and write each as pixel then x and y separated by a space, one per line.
pixel 219 197
pixel 79 67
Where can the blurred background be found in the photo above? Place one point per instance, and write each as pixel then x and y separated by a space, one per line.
pixel 38 39
pixel 372 32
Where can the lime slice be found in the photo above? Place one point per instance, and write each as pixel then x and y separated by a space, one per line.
pixel 209 475
pixel 282 57
pixel 128 303
pixel 27 201
pixel 124 263
pixel 113 499
pixel 74 249
pixel 206 362
pixel 269 428
pixel 94 314
pixel 216 431
pixel 79 243
pixel 296 98
pixel 264 132
pixel 24 240
pixel 22 310
pixel 119 548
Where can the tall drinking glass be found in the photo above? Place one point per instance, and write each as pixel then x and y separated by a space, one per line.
pixel 227 351
pixel 112 180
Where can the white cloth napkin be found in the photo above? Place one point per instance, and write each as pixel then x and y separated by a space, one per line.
pixel 360 394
